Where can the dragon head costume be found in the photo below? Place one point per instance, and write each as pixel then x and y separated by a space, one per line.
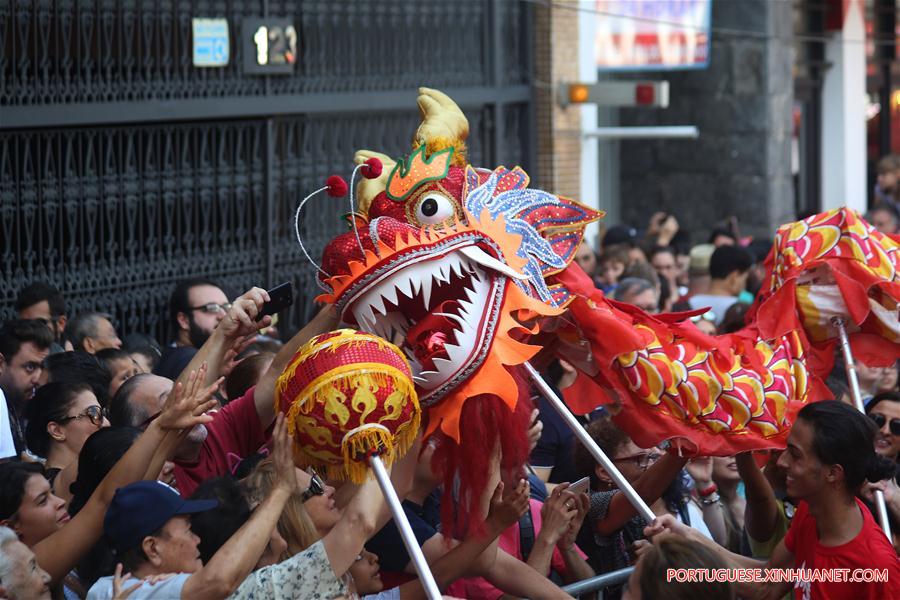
pixel 468 269
pixel 447 259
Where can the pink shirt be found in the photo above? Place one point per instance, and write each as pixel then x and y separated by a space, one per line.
pixel 479 588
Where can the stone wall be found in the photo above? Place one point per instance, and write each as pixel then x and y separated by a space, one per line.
pixel 742 104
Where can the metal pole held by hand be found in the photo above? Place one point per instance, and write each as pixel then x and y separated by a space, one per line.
pixel 636 501
pixel 838 322
pixel 406 532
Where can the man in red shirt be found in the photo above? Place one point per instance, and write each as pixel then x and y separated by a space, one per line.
pixel 237 429
pixel 830 453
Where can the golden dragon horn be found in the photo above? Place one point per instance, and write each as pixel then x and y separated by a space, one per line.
pixel 443 125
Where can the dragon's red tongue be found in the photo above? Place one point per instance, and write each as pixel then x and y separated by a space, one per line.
pixel 428 337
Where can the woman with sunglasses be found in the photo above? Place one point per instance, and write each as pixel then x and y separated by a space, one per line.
pixel 61 416
pixel 884 411
pixel 307 517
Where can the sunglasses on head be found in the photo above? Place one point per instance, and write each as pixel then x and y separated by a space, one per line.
pixel 95 413
pixel 880 420
pixel 316 486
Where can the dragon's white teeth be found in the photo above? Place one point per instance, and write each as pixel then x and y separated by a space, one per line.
pixel 382 329
pixel 376 305
pixel 462 322
pixel 457 354
pixel 389 294
pixel 456 264
pixel 427 283
pixel 397 323
pixel 443 272
pixel 416 283
pixel 443 365
pixel 404 285
pixel 465 307
pixel 365 319
pixel 484 259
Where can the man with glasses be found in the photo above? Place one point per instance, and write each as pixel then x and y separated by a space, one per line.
pixel 43 302
pixel 24 344
pixel 195 308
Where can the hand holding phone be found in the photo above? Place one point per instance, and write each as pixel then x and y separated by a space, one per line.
pixel 581 486
pixel 280 297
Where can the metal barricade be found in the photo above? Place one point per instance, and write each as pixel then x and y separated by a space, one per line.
pixel 599 582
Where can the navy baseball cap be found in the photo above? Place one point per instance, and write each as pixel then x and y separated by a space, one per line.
pixel 141 508
pixel 619 234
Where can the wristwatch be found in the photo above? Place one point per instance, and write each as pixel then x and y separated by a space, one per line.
pixel 710 499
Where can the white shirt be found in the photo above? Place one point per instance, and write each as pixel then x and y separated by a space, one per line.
pixel 164 590
pixel 7 445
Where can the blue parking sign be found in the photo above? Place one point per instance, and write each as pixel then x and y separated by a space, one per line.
pixel 211 47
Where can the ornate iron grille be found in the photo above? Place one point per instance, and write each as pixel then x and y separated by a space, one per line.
pixel 123 168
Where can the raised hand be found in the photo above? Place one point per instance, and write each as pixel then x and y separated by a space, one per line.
pixel 887 486
pixel 700 469
pixel 506 510
pixel 666 525
pixel 557 513
pixel 187 405
pixel 229 362
pixel 282 457
pixel 118 581
pixel 582 503
pixel 240 320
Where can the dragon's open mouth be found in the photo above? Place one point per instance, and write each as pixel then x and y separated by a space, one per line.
pixel 438 310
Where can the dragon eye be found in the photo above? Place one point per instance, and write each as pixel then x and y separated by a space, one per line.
pixel 433 208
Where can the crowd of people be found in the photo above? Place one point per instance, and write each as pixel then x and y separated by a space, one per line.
pixel 138 470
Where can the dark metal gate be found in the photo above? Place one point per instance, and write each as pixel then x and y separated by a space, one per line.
pixel 124 168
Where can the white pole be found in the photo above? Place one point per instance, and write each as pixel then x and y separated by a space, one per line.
pixel 880 506
pixel 406 532
pixel 590 444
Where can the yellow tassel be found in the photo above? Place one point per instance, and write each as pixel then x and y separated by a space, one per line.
pixel 358 443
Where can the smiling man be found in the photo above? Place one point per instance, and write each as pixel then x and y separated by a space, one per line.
pixel 830 454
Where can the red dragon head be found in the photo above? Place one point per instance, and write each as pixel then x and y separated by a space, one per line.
pixel 449 260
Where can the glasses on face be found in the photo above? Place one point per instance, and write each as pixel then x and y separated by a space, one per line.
pixel 641 461
pixel 95 413
pixel 880 420
pixel 212 308
pixel 316 486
